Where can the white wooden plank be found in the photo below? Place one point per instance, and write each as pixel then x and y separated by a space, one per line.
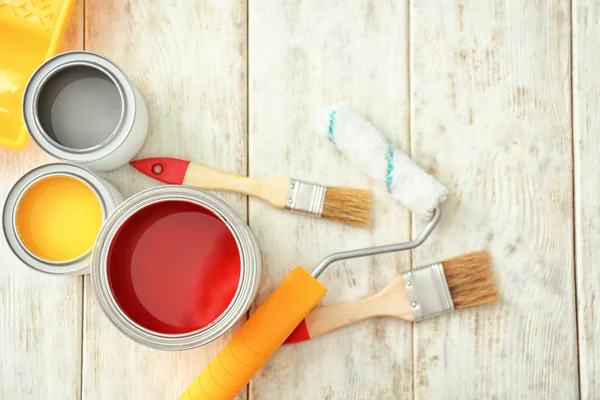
pixel 304 55
pixel 491 117
pixel 40 315
pixel 586 100
pixel 189 61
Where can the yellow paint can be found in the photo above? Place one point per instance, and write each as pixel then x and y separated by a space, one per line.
pixel 53 214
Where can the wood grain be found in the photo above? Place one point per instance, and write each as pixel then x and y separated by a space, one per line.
pixel 479 93
pixel 303 56
pixel 40 315
pixel 188 59
pixel 586 123
pixel 273 190
pixel 490 106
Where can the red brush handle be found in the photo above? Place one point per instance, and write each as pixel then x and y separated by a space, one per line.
pixel 180 172
pixel 164 169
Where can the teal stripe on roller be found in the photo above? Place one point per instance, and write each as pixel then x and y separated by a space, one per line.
pixel 330 134
pixel 389 157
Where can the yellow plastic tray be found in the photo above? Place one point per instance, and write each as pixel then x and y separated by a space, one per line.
pixel 30 33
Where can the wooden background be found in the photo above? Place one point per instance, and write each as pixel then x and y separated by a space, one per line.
pixel 498 99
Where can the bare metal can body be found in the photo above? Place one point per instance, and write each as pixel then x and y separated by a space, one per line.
pixel 250 268
pixel 81 108
pixel 108 197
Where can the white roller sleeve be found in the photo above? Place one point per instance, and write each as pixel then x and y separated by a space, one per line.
pixel 365 146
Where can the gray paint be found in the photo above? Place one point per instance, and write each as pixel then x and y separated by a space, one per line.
pixel 80 107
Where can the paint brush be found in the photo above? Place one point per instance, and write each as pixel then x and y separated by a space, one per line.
pixel 461 282
pixel 346 205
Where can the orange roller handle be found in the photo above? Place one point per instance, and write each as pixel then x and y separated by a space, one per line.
pixel 258 339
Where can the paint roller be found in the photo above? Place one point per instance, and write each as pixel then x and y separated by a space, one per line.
pixel 265 331
pixel 364 145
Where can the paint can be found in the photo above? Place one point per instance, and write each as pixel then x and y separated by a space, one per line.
pixel 80 107
pixel 52 215
pixel 174 267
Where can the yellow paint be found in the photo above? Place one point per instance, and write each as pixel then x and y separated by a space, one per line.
pixel 58 218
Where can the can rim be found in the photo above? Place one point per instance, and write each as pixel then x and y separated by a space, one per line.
pixel 58 63
pixel 250 268
pixel 15 194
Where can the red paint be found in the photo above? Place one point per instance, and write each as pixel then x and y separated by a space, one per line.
pixel 300 334
pixel 173 267
pixel 172 170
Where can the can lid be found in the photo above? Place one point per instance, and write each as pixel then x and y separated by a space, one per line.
pixel 50 68
pixel 13 199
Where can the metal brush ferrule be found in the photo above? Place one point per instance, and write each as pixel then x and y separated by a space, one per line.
pixel 428 291
pixel 305 198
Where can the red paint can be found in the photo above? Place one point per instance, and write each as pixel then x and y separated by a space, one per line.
pixel 175 267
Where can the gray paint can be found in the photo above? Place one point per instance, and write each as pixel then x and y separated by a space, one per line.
pixel 80 107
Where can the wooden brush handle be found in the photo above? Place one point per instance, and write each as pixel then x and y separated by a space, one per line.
pixel 271 190
pixel 326 319
pixel 390 302
pixel 258 339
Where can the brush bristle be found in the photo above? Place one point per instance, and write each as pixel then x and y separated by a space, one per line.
pixel 471 280
pixel 348 205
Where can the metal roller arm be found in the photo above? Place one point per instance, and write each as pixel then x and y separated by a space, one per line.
pixel 370 251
